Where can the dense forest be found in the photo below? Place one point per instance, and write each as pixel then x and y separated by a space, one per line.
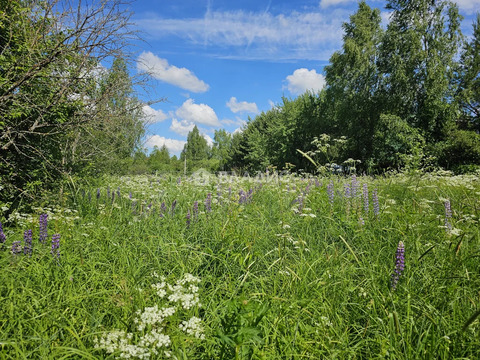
pixel 404 96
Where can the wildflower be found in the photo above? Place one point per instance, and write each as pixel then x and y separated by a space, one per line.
pixel 376 206
pixel 43 225
pixel 108 191
pixel 399 265
pixel 193 327
pixel 27 237
pixel 242 197
pixel 448 215
pixel 188 218
pixel 195 210
pixel 16 247
pixel 365 198
pixel 330 192
pixel 208 202
pixel 118 191
pixel 55 251
pixel 98 193
pixel 3 238
pixel 174 204
pixel 354 186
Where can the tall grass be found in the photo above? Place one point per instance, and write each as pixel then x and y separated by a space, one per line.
pixel 288 270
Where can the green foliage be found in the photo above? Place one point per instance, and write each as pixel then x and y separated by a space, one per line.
pixel 396 143
pixel 61 116
pixel 469 88
pixel 462 148
pixel 418 62
pixel 278 281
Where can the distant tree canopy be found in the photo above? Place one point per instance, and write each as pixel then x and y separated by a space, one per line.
pixel 399 95
pixel 62 113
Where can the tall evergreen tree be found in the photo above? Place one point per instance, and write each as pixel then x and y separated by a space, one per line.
pixel 196 149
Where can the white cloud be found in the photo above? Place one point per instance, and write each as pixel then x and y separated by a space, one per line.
pixel 209 140
pixel 173 146
pixel 160 69
pixel 242 106
pixel 385 15
pixel 237 122
pixel 257 35
pixel 182 127
pixel 303 79
pixel 152 116
pixel 468 6
pixel 326 3
pixel 197 113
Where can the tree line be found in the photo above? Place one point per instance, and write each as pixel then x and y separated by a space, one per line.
pixel 404 96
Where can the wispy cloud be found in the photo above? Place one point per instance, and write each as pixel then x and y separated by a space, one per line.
pixel 328 3
pixel 297 35
pixel 468 6
pixel 242 106
pixel 197 113
pixel 303 79
pixel 173 146
pixel 160 69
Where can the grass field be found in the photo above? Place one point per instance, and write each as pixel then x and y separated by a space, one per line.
pixel 267 267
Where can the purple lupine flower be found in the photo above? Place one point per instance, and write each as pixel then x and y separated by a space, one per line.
pixel 163 209
pixel 195 210
pixel 317 183
pixel 113 196
pixel 242 199
pixel 188 218
pixel 27 237
pixel 55 251
pixel 448 215
pixel 360 220
pixel 399 264
pixel 43 228
pixel 16 247
pixel 300 203
pixel 3 238
pixel 376 206
pixel 98 193
pixel 354 186
pixel 130 195
pixel 365 198
pixel 208 202
pixel 330 192
pixel 249 195
pixel 174 204
pixel 347 191
pixel 179 180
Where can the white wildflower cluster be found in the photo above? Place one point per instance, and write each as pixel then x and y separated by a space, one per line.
pixel 193 327
pixel 152 316
pixel 297 244
pixel 185 292
pixel 153 322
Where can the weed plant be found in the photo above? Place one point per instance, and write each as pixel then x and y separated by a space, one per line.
pixel 288 268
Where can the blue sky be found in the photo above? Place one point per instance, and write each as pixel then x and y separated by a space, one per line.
pixel 217 62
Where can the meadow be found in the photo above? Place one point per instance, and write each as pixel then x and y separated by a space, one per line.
pixel 234 267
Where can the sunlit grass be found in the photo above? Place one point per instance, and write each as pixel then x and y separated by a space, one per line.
pixel 286 272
